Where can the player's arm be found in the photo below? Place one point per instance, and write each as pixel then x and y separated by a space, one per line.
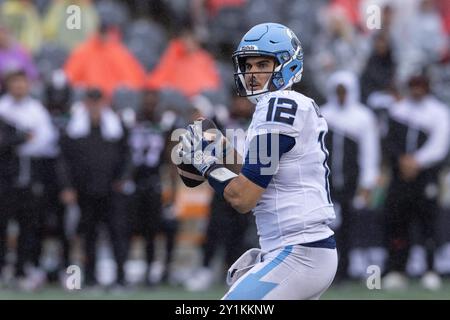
pixel 243 191
pixel 242 194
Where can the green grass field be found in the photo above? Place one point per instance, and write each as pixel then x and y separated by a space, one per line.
pixel 347 291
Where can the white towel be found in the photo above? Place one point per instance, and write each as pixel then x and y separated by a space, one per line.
pixel 80 126
pixel 243 264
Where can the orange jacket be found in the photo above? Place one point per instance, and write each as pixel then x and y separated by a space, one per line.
pixel 104 64
pixel 351 9
pixel 189 73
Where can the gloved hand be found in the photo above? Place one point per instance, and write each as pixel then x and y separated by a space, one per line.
pixel 199 151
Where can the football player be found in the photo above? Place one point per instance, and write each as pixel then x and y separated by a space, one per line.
pixel 284 177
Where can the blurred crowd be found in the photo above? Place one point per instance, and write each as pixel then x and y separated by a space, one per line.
pixel 92 90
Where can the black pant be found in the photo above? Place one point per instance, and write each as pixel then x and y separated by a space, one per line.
pixel 360 228
pixel 111 210
pixel 149 219
pixel 226 226
pixel 5 216
pixel 51 210
pixel 344 232
pixel 407 203
pixel 147 215
pixel 20 204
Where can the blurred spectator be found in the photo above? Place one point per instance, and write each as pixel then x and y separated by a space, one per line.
pixel 9 162
pixel 94 173
pixel 380 67
pixel 58 96
pixel 429 35
pixel 420 44
pixel 13 56
pixel 338 47
pixel 104 62
pixel 27 114
pixel 55 23
pixel 186 67
pixel 52 211
pixel 151 148
pixel 354 146
pixel 23 20
pixel 416 145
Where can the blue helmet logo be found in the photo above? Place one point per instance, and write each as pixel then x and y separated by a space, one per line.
pixel 274 40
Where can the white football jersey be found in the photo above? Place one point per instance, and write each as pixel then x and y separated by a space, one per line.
pixel 296 207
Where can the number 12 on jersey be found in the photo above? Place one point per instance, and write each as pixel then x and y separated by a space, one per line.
pixel 285 110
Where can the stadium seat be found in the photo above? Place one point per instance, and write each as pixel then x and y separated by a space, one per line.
pixel 51 57
pixel 226 71
pixel 146 30
pixel 227 26
pixel 146 40
pixel 124 98
pixel 217 97
pixel 260 11
pixel 113 12
pixel 174 100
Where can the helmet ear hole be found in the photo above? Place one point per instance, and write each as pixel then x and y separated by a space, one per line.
pixel 293 68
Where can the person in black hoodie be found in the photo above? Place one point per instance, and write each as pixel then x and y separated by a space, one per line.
pixel 10 138
pixel 151 145
pixel 94 166
pixel 415 147
pixel 354 146
pixel 24 112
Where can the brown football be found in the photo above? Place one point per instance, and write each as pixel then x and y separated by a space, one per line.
pixel 187 172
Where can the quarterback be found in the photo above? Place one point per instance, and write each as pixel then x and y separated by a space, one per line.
pixel 284 176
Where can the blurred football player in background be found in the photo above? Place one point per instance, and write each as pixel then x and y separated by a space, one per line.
pixel 150 147
pixel 353 142
pixel 416 144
